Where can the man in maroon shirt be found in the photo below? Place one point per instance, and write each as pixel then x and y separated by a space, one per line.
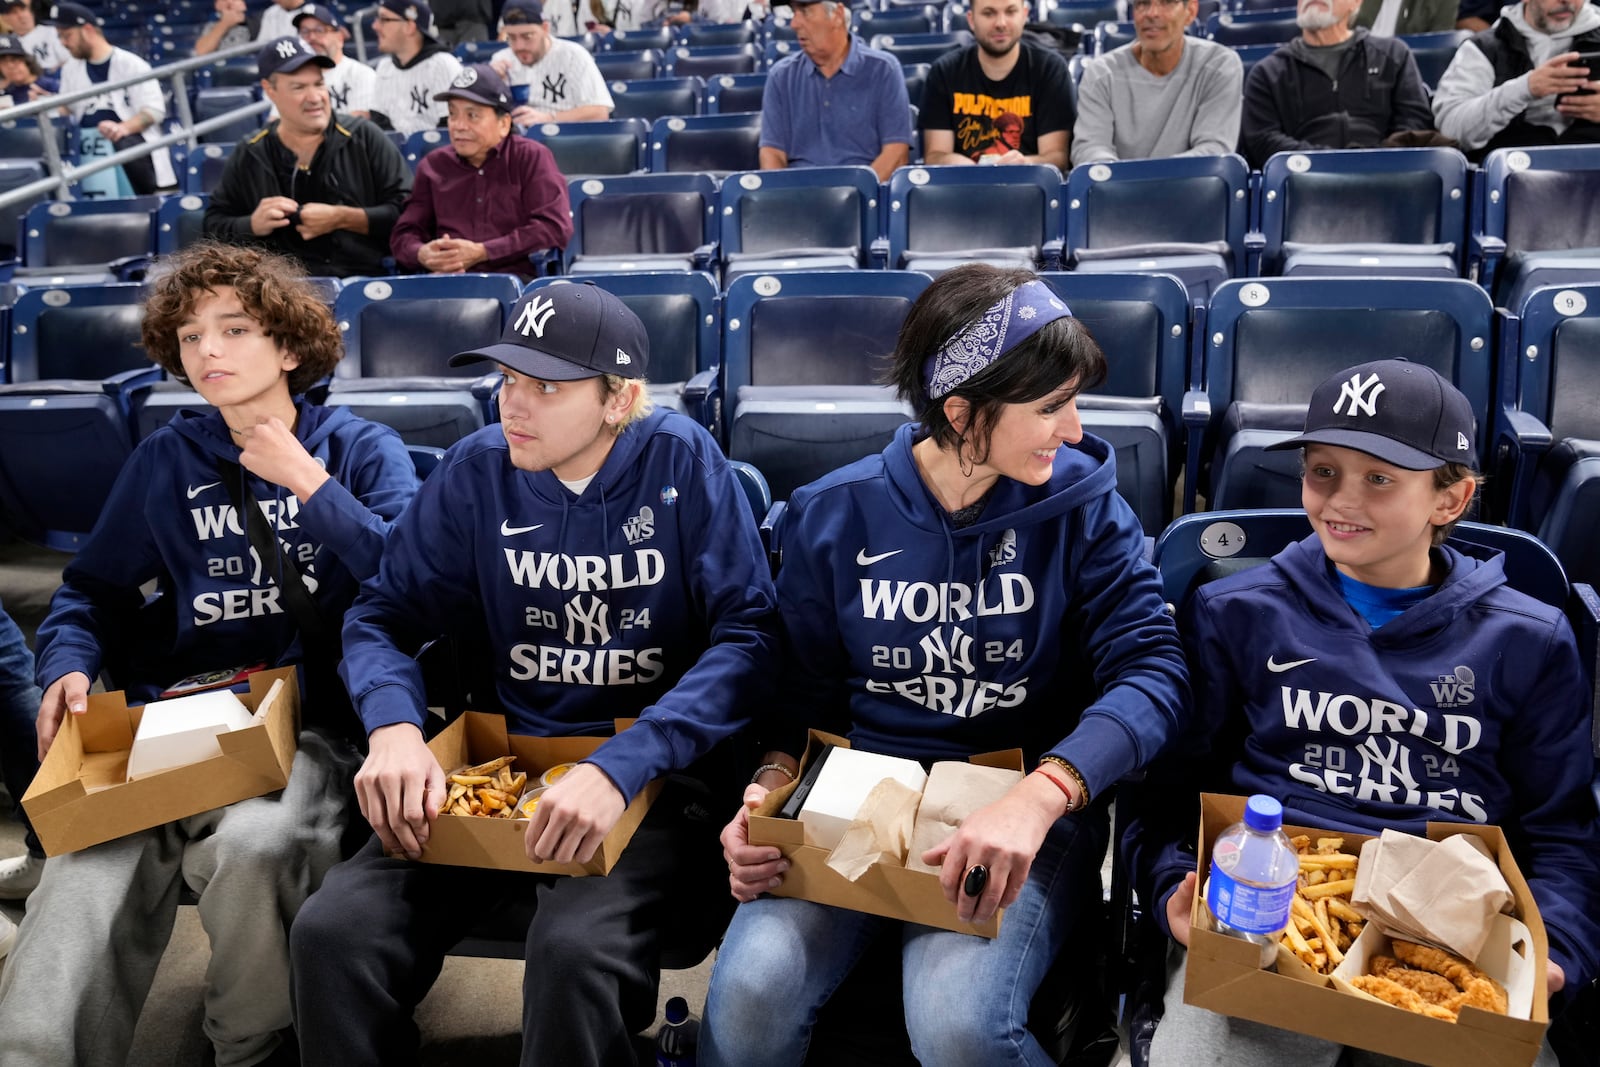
pixel 488 201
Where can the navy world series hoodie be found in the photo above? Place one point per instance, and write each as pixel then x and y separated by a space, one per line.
pixel 1039 627
pixel 170 519
pixel 1470 706
pixel 647 596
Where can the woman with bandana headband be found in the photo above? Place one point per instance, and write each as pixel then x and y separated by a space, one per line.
pixel 977 586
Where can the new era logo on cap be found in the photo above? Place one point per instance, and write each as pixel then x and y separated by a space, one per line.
pixel 623 359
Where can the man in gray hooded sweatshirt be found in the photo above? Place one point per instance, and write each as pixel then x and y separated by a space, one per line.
pixel 1520 83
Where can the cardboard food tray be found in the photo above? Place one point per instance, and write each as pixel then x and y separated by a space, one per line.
pixel 470 841
pixel 1222 973
pixel 81 795
pixel 893 892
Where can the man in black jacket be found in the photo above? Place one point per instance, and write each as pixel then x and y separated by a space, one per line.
pixel 322 187
pixel 1331 87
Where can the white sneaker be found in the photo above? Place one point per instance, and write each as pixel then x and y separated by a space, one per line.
pixel 19 876
pixel 8 935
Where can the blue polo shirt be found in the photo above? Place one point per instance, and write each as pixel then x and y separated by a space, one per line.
pixel 839 121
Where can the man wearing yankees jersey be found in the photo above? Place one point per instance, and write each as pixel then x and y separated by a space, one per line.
pixel 604 560
pixel 414 67
pixel 349 82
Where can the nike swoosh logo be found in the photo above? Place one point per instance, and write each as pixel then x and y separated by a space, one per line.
pixel 864 560
pixel 1279 668
pixel 508 530
pixel 196 490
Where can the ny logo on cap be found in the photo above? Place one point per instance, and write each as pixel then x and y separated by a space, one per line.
pixel 1363 396
pixel 465 78
pixel 623 359
pixel 534 316
pixel 288 49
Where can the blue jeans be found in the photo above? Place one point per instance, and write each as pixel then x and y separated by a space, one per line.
pixel 966 997
pixel 19 707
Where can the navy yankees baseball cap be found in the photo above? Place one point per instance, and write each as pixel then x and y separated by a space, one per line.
pixel 287 55
pixel 325 15
pixel 69 15
pixel 1403 413
pixel 566 332
pixel 479 83
pixel 532 10
pixel 11 45
pixel 414 11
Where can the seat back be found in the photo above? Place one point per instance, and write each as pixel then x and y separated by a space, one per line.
pixel 728 94
pixel 1263 27
pixel 219 100
pixel 651 98
pixel 590 149
pixel 421 143
pixel 1394 196
pixel 180 221
pixel 1558 360
pixel 920 19
pixel 1141 323
pixel 948 209
pixel 14 174
pixel 678 309
pixel 1084 13
pixel 920 47
pixel 85 332
pixel 1434 51
pixel 64 233
pixel 716 144
pixel 658 37
pixel 707 62
pixel 1109 204
pixel 808 207
pixel 1111 35
pixel 641 214
pixel 714 34
pixel 23 140
pixel 628 66
pixel 203 168
pixel 410 326
pixel 916 75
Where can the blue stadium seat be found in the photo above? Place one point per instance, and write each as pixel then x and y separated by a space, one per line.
pixel 1263 27
pixel 642 222
pixel 906 19
pixel 14 174
pixel 65 418
pixel 629 66
pixel 1141 322
pixel 1111 227
pixel 802 354
pixel 1526 233
pixel 707 144
pixel 920 47
pixel 652 98
pixel 477 51
pixel 1434 51
pixel 85 237
pixel 679 312
pixel 202 169
pixel 708 62
pixel 180 221
pixel 215 102
pixel 806 218
pixel 1546 448
pixel 238 72
pixel 1270 343
pixel 940 217
pixel 421 143
pixel 916 75
pixel 595 149
pixel 1086 14
pixel 778 48
pixel 728 94
pixel 1380 211
pixel 658 37
pixel 399 336
pixel 1111 35
pixel 714 34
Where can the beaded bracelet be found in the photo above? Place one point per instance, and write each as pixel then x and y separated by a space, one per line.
pixel 765 767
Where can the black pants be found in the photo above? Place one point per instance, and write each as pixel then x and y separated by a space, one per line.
pixel 370 943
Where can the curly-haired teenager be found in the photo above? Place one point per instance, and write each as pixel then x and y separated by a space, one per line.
pixel 243 328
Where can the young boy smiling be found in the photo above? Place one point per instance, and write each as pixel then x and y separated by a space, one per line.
pixel 1291 662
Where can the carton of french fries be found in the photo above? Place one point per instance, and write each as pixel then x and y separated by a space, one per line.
pixel 1330 961
pixel 493 784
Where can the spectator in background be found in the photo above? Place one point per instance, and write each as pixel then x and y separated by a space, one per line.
pixel 837 102
pixel 456 21
pixel 349 82
pixel 114 121
pixel 1164 94
pixel 233 26
pixel 551 80
pixel 1397 18
pixel 321 187
pixel 42 41
pixel 24 81
pixel 1332 87
pixel 277 20
pixel 999 100
pixel 1519 83
pixel 490 199
pixel 413 69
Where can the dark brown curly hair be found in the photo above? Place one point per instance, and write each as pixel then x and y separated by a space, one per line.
pixel 273 290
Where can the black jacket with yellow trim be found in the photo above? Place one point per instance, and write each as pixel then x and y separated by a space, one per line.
pixel 357 166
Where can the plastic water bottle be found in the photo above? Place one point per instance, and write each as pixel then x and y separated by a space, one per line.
pixel 676 1040
pixel 1253 872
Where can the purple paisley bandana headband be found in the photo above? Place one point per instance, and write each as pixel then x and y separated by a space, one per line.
pixel 1017 317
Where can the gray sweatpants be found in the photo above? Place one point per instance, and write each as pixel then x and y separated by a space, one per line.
pixel 1194 1037
pixel 100 919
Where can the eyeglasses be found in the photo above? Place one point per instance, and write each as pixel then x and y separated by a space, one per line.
pixel 1146 5
pixel 389 18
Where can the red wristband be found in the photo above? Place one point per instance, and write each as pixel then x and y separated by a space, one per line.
pixel 1072 804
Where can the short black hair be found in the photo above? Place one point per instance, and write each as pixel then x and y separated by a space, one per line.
pixel 1060 352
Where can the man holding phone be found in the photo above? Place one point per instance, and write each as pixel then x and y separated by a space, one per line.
pixel 1529 79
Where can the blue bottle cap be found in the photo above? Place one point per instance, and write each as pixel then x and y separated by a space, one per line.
pixel 1263 813
pixel 678 1010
